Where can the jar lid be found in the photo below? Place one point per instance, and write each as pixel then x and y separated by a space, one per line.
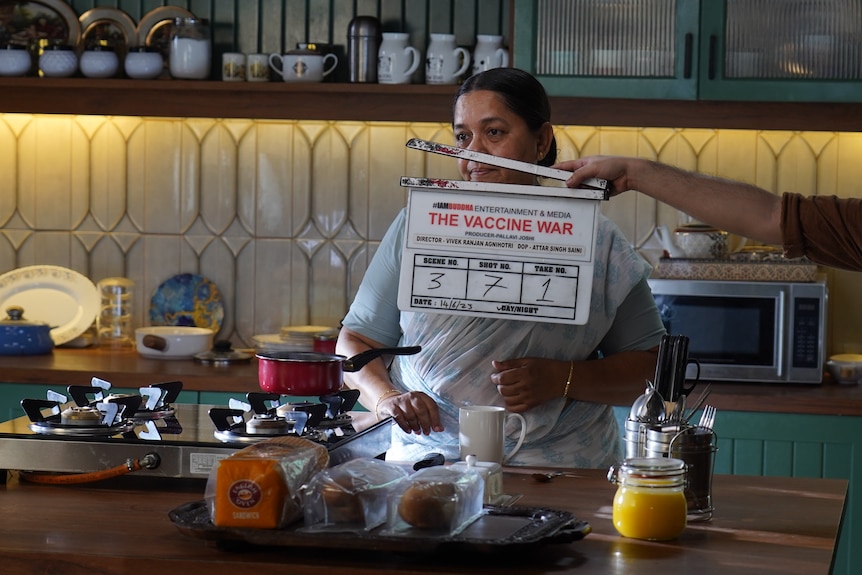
pixel 15 316
pixel 11 46
pixel 99 48
pixel 58 47
pixel 143 49
pixel 652 467
pixel 313 46
pixel 189 21
pixel 222 353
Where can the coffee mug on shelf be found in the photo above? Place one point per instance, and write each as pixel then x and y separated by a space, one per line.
pixel 444 61
pixel 233 67
pixel 396 60
pixel 489 53
pixel 303 65
pixel 482 432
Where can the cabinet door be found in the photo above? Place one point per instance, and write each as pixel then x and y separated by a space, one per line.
pixel 602 48
pixel 781 50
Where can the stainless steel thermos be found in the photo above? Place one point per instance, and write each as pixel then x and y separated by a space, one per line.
pixel 363 42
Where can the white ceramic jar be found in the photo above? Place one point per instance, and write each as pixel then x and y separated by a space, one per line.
pixel 99 62
pixel 14 60
pixel 444 61
pixel 144 63
pixel 396 60
pixel 58 61
pixel 191 49
pixel 489 53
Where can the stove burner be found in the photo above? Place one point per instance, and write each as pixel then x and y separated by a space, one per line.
pixel 264 416
pixel 96 415
pixel 154 402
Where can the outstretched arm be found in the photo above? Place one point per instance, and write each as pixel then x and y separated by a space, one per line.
pixel 733 206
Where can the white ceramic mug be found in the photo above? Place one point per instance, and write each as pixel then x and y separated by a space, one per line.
pixel 303 65
pixel 482 432
pixel 489 53
pixel 233 67
pixel 257 68
pixel 444 61
pixel 396 60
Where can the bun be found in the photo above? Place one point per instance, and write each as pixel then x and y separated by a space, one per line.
pixel 341 505
pixel 428 504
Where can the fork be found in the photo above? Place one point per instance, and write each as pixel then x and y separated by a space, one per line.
pixel 707 418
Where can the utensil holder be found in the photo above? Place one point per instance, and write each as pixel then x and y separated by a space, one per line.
pixel 696 446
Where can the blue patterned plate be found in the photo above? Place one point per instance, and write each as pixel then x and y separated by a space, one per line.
pixel 189 300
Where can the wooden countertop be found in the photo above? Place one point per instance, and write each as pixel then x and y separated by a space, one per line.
pixel 761 525
pixel 127 369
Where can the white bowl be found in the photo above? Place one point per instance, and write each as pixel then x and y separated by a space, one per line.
pixel 845 368
pixel 173 342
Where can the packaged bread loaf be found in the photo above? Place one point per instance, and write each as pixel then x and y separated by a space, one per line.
pixel 350 496
pixel 438 499
pixel 258 486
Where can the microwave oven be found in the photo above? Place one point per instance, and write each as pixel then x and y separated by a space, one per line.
pixel 748 331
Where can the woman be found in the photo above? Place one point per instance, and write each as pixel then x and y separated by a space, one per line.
pixel 533 368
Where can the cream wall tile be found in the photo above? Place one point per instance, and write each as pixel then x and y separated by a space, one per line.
pixel 108 174
pixel 9 169
pixel 219 176
pixel 157 185
pixel 53 173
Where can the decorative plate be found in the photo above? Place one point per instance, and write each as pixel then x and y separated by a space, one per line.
pixel 154 29
pixel 189 300
pixel 111 25
pixel 60 297
pixel 26 22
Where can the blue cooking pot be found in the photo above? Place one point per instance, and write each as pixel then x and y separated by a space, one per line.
pixel 19 336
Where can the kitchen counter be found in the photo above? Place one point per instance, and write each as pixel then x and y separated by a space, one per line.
pixel 128 369
pixel 761 525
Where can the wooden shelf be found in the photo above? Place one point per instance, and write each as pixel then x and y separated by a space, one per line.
pixel 396 103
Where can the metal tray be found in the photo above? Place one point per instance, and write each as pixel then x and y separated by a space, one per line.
pixel 497 528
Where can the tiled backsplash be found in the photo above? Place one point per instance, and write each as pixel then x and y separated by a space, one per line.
pixel 284 216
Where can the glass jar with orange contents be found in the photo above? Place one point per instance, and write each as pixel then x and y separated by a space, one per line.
pixel 650 499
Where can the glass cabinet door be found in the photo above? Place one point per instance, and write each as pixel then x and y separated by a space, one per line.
pixel 609 48
pixel 781 50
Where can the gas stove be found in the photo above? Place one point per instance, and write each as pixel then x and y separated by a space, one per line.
pixel 89 429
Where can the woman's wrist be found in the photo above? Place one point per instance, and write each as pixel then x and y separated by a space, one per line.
pixel 381 397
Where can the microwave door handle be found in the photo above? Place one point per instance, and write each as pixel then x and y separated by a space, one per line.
pixel 779 342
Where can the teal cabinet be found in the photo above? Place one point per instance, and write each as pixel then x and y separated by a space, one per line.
pixel 592 48
pixel 769 50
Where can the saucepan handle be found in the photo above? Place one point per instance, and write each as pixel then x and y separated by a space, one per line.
pixel 360 360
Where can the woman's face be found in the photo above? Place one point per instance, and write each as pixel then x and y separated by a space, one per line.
pixel 483 123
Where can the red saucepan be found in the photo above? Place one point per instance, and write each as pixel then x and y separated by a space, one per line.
pixel 314 373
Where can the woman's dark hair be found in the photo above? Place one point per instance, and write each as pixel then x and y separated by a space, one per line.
pixel 521 93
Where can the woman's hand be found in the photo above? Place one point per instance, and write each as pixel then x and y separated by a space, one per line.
pixel 527 382
pixel 413 411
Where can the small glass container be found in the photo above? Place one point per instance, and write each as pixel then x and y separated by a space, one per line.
pixel 144 63
pixel 14 60
pixel 650 499
pixel 115 316
pixel 191 49
pixel 58 61
pixel 99 62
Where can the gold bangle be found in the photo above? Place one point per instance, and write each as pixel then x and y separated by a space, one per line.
pixel 569 379
pixel 383 396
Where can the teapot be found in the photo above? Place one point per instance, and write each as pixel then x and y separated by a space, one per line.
pixel 696 241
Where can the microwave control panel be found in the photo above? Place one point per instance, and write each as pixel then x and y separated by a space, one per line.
pixel 806 332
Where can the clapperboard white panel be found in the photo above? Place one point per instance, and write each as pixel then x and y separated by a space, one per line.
pixel 490 253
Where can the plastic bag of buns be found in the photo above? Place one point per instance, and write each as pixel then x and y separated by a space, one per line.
pixel 351 496
pixel 437 501
pixel 258 486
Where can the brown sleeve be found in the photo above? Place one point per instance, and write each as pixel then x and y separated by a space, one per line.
pixel 827 229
